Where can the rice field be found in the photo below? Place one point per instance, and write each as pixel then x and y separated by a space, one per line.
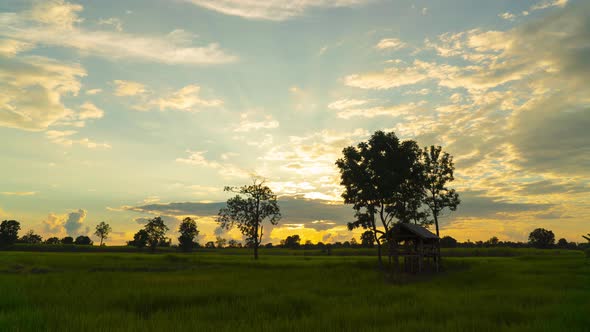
pixel 226 290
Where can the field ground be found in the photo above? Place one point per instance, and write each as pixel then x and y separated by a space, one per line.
pixel 527 290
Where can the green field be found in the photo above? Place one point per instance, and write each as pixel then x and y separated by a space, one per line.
pixel 529 290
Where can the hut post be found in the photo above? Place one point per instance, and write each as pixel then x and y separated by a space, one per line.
pixel 420 254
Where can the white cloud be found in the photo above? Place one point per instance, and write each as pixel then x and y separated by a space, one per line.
pixel 186 99
pixel 31 90
pixel 346 103
pixel 18 193
pixel 112 21
pixel 90 111
pixel 93 91
pixel 371 112
pixel 128 88
pixel 507 16
pixel 389 78
pixel 56 23
pixel 64 138
pixel 11 47
pixel 548 4
pixel 261 122
pixel 390 43
pixel 278 10
pixel 197 158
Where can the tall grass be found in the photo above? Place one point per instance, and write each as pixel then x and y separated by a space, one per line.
pixel 214 291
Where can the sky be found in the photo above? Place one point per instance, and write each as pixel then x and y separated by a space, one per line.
pixel 120 111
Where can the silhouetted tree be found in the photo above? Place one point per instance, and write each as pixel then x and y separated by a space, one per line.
pixel 52 240
pixel 448 242
pixel 438 171
pixel 248 209
pixel 140 239
pixel 83 240
pixel 220 242
pixel 31 237
pixel 9 232
pixel 156 231
pixel 67 240
pixel 493 241
pixel 268 245
pixel 563 244
pixel 542 238
pixel 188 232
pixel 210 245
pixel 368 239
pixel 233 243
pixel 102 231
pixel 382 180
pixel 292 241
pixel 353 242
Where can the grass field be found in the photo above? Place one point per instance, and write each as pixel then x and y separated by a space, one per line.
pixel 528 290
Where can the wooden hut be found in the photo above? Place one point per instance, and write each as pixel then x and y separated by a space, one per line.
pixel 419 248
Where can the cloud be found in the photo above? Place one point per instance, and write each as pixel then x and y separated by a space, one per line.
pixel 507 16
pixel 279 10
pixel 18 193
pixel 346 103
pixel 63 137
pixel 31 90
pixel 11 47
pixel 68 224
pixel 371 112
pixel 548 4
pixel 390 43
pixel 93 91
pixel 187 99
pixel 197 158
pixel 128 88
pixel 90 111
pixel 56 23
pixel 112 21
pixel 389 78
pixel 248 124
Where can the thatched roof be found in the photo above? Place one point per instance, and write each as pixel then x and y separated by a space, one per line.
pixel 407 230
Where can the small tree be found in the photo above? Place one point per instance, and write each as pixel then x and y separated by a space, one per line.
pixel 248 209
pixel 233 243
pixel 210 245
pixel 83 240
pixel 52 240
pixel 292 242
pixel 188 232
pixel 368 239
pixel 67 240
pixel 438 170
pixel 542 238
pixel 156 231
pixel 102 231
pixel 562 243
pixel 220 242
pixel 9 232
pixel 140 239
pixel 31 238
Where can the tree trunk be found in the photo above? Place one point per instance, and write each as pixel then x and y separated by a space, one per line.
pixel 256 251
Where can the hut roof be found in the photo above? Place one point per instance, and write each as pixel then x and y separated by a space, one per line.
pixel 405 230
pixel 419 231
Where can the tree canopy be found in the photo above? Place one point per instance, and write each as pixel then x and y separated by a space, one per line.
pixel 155 231
pixel 542 238
pixel 188 232
pixel 9 231
pixel 252 205
pixel 102 231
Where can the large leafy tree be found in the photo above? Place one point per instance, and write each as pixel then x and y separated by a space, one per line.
pixel 31 237
pixel 9 231
pixel 140 239
pixel 155 230
pixel 438 170
pixel 252 205
pixel 102 231
pixel 83 240
pixel 382 180
pixel 188 232
pixel 542 238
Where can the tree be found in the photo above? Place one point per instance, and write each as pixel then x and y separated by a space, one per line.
pixel 210 245
pixel 382 180
pixel 67 240
pixel 493 241
pixel 587 237
pixel 438 170
pixel 102 231
pixel 252 205
pixel 448 242
pixel 562 243
pixel 233 243
pixel 368 239
pixel 83 240
pixel 140 239
pixel 9 232
pixel 52 240
pixel 353 243
pixel 188 232
pixel 220 242
pixel 292 242
pixel 156 231
pixel 542 238
pixel 31 238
